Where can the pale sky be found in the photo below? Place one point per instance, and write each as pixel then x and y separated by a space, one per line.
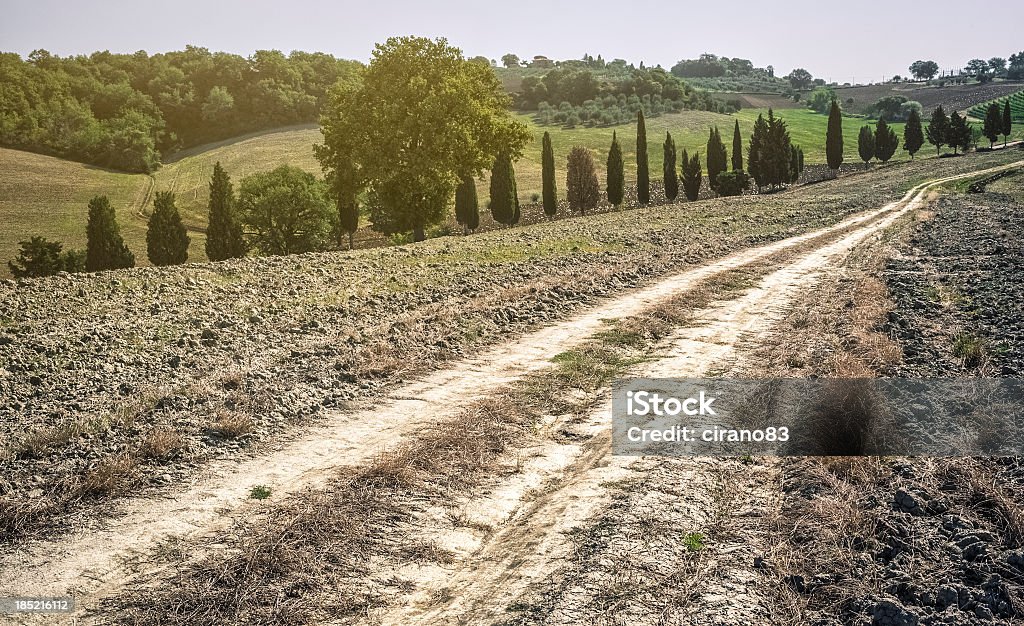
pixel 836 41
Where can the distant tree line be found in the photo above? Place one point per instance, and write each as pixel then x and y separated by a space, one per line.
pixel 125 111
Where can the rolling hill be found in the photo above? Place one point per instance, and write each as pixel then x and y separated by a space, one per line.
pixel 43 195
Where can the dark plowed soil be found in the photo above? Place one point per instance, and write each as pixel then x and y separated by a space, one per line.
pixel 928 541
pixel 959 289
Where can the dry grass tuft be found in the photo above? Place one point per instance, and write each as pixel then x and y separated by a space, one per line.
pixel 110 476
pixel 161 444
pixel 231 424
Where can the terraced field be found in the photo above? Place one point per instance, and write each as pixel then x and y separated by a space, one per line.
pixel 1016 107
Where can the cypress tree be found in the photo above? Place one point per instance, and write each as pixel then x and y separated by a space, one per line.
pixel 224 231
pixel 503 191
pixel 776 152
pixel 166 238
pixel 794 164
pixel 643 174
pixel 737 148
pixel 886 141
pixel 866 143
pixel 834 138
pixel 959 132
pixel 715 157
pixel 993 123
pixel 938 129
pixel 550 193
pixel 913 135
pixel 757 151
pixel 1007 122
pixel 467 207
pixel 669 167
pixel 616 177
pixel 801 155
pixel 581 186
pixel 105 249
pixel 691 176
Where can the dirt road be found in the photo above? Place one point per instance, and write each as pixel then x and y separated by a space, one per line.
pixel 495 567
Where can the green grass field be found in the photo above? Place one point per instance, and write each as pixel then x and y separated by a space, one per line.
pixel 42 195
pixel 188 173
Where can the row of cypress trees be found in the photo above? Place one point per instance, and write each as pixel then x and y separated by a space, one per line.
pixel 880 143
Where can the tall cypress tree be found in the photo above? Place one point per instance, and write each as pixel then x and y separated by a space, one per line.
pixel 1007 122
pixel 938 129
pixel 757 152
pixel 643 174
pixel 467 207
pixel 715 157
pixel 691 176
pixel 166 238
pixel 834 138
pixel 993 123
pixel 669 167
pixel 224 230
pixel 794 164
pixel 959 132
pixel 581 186
pixel 550 192
pixel 775 152
pixel 105 249
pixel 503 191
pixel 913 134
pixel 886 141
pixel 737 148
pixel 615 174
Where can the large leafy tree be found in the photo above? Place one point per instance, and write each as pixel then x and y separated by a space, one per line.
pixel 338 158
pixel 224 231
pixel 913 134
pixel 924 70
pixel 938 129
pixel 285 211
pixel 615 175
pixel 421 118
pixel 581 186
pixel 548 186
pixel 643 173
pixel 834 138
pixel 671 178
pixel 166 238
pixel 105 249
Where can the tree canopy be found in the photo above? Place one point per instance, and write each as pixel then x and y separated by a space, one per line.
pixel 422 118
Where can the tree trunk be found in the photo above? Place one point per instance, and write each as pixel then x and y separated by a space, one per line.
pixel 418 234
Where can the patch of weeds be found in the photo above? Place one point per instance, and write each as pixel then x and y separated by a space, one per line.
pixel 259 492
pixel 40 441
pixel 694 541
pixel 110 476
pixel 969 348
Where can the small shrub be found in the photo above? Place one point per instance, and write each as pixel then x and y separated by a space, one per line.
pixel 694 542
pixel 733 183
pixel 259 492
